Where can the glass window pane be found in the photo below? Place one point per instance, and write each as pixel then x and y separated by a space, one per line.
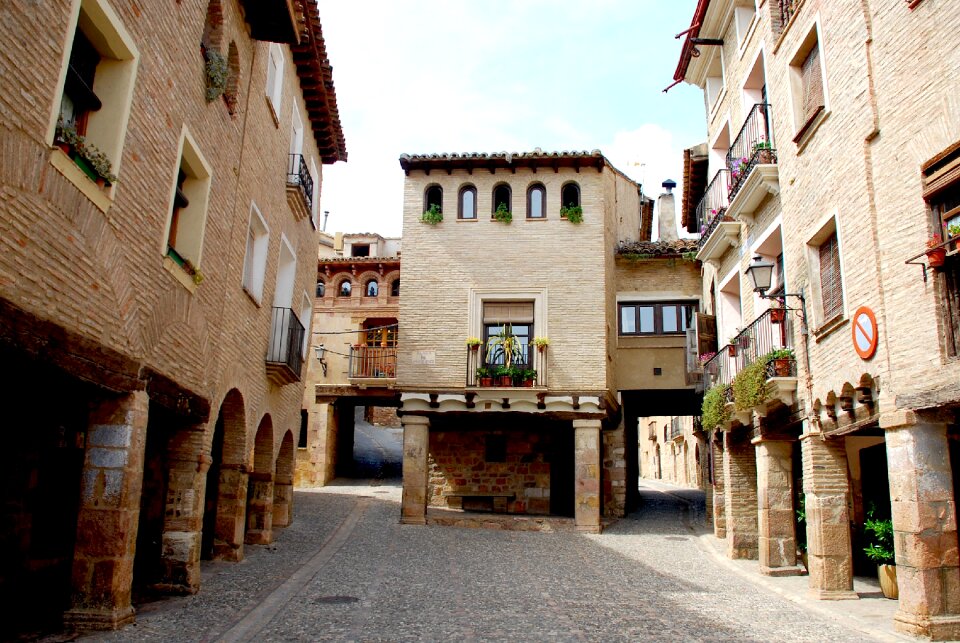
pixel 671 321
pixel 686 317
pixel 646 319
pixel 469 209
pixel 628 320
pixel 536 203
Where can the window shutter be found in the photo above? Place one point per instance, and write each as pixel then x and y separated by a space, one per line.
pixel 514 312
pixel 706 333
pixel 831 291
pixel 812 83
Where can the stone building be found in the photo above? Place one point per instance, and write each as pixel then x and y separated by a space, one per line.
pixel 833 156
pixel 495 253
pixel 354 355
pixel 672 449
pixel 160 180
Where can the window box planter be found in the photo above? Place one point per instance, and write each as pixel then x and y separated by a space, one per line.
pixel 84 165
pixel 936 257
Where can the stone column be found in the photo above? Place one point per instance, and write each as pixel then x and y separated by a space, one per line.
pixel 924 528
pixel 416 444
pixel 586 468
pixel 614 473
pixel 109 514
pixel 826 489
pixel 777 536
pixel 183 513
pixel 282 500
pixel 260 509
pixel 230 525
pixel 740 482
pixel 717 494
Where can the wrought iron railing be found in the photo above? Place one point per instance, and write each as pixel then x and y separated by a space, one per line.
pixel 753 146
pixel 533 358
pixel 298 174
pixel 787 9
pixel 768 332
pixel 713 206
pixel 373 361
pixel 676 428
pixel 286 340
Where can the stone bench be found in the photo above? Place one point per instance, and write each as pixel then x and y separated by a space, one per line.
pixel 465 500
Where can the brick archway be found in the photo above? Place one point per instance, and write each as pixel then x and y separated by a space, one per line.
pixel 260 489
pixel 226 493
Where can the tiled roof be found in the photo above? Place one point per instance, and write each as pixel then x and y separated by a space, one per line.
pixel 655 249
pixel 503 160
pixel 687 52
pixel 695 164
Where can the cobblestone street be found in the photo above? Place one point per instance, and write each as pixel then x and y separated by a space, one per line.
pixel 346 570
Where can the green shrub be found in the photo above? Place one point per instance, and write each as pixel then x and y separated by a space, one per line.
pixel 216 69
pixel 502 214
pixel 433 216
pixel 714 411
pixel 749 386
pixel 573 213
pixel 880 535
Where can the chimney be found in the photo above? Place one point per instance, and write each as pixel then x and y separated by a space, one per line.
pixel 667 213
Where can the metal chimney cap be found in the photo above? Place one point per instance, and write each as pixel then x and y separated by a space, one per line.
pixel 669 184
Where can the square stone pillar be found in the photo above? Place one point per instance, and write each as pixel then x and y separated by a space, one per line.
pixel 109 514
pixel 416 443
pixel 719 499
pixel 924 530
pixel 282 500
pixel 183 512
pixel 586 468
pixel 740 482
pixel 259 509
pixel 826 488
pixel 230 525
pixel 777 536
pixel 614 473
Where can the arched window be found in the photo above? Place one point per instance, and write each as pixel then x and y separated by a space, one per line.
pixel 321 289
pixel 213 26
pixel 570 196
pixel 433 196
pixel 395 288
pixel 345 289
pixel 467 208
pixel 372 289
pixel 501 195
pixel 536 201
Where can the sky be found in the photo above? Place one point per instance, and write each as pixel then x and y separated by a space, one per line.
pixel 444 76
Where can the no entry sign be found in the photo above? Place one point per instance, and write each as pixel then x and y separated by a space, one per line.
pixel 865 332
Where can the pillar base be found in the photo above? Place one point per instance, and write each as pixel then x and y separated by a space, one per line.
pixel 258 537
pixel 589 529
pixel 833 594
pixel 413 520
pixel 786 570
pixel 936 628
pixel 229 553
pixel 79 619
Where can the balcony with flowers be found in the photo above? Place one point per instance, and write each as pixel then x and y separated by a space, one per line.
pixel 752 161
pixel 718 231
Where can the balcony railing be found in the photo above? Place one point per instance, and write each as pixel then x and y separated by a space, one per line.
pixel 285 352
pixel 300 184
pixel 676 428
pixel 373 361
pixel 771 330
pixel 713 205
pixel 753 146
pixel 533 358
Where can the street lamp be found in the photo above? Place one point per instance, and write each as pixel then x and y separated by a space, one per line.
pixel 761 275
pixel 320 351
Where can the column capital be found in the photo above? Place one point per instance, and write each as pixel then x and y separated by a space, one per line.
pixel 898 419
pixel 415 419
pixel 587 424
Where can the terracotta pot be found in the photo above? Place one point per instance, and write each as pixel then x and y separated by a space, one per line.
pixel 64 147
pixel 732 350
pixel 528 383
pixel 486 381
pixel 781 367
pixel 888 581
pixel 777 315
pixel 936 257
pixel 505 380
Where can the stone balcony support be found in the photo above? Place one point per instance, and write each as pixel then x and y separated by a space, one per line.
pixel 587 467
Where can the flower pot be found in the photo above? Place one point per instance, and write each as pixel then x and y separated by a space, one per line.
pixel 764 156
pixel 936 257
pixel 486 381
pixel 528 383
pixel 505 380
pixel 888 580
pixel 64 147
pixel 474 347
pixel 84 165
pixel 777 315
pixel 732 350
pixel 781 367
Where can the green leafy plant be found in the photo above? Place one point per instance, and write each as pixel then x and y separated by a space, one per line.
pixel 432 215
pixel 880 535
pixel 502 214
pixel 572 213
pixel 779 353
pixel 483 371
pixel 67 133
pixel 541 342
pixel 801 522
pixel 761 145
pixel 749 386
pixel 473 341
pixel 714 411
pixel 689 256
pixel 216 69
pixel 505 347
pixel 954 229
pixel 637 256
pixel 528 374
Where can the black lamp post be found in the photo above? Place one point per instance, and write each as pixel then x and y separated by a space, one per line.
pixel 761 275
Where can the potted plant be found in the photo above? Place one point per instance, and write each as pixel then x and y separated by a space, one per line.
pixel 778 314
pixel 87 156
pixel 473 343
pixel 936 254
pixel 503 375
pixel 572 213
pixel 541 343
pixel 528 376
pixel 763 151
pixel 781 359
pixel 502 214
pixel 432 215
pixel 954 230
pixel 484 376
pixel 880 550
pixel 731 349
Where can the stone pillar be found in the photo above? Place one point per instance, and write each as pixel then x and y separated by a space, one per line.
pixel 282 500
pixel 183 513
pixel 719 499
pixel 826 489
pixel 586 468
pixel 230 525
pixel 614 473
pixel 416 443
pixel 740 482
pixel 924 529
pixel 260 509
pixel 777 536
pixel 109 513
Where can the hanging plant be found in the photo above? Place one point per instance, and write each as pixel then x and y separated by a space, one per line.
pixel 216 69
pixel 714 411
pixel 749 386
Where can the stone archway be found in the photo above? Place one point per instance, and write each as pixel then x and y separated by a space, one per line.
pixel 283 483
pixel 260 489
pixel 226 493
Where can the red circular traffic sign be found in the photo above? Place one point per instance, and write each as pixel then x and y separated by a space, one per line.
pixel 865 332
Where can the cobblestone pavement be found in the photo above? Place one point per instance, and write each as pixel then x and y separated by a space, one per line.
pixel 346 570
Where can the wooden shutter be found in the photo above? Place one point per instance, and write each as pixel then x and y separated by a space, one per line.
pixel 812 83
pixel 512 312
pixel 831 290
pixel 706 333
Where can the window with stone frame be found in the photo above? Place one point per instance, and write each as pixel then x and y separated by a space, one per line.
pixel 941 189
pixel 831 285
pixel 502 197
pixel 656 317
pixel 433 196
pixel 508 317
pixel 188 210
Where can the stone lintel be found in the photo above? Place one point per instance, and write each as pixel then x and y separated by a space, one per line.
pixel 897 419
